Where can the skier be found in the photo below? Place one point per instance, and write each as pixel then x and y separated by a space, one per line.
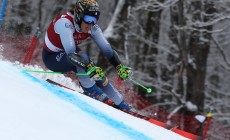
pixel 61 52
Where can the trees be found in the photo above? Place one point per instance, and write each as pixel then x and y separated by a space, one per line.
pixel 193 46
pixel 24 16
pixel 169 43
pixel 178 48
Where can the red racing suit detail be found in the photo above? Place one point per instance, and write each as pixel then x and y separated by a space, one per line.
pixel 55 39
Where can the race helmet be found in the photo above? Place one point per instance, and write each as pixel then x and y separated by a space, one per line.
pixel 86 7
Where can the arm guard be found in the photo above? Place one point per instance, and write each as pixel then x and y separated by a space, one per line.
pixel 77 60
pixel 114 60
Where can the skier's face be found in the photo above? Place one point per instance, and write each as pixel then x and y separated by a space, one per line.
pixel 85 27
pixel 87 22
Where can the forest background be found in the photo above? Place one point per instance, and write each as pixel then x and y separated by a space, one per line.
pixel 178 48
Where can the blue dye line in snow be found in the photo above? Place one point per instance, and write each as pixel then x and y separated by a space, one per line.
pixel 84 106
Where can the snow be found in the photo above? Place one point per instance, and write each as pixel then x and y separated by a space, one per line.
pixel 32 109
pixel 109 31
pixel 200 118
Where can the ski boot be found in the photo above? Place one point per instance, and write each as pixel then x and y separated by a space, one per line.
pixel 95 93
pixel 126 107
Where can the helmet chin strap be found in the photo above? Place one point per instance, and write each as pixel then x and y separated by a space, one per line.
pixel 79 24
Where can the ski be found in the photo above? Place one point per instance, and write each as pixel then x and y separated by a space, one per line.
pixel 151 120
pixel 116 107
pixel 57 84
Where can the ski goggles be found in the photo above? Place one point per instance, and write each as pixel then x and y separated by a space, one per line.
pixel 89 19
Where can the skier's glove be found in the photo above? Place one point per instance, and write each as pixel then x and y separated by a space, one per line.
pixel 95 73
pixel 124 72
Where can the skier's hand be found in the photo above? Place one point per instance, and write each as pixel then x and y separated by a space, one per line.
pixel 95 73
pixel 124 72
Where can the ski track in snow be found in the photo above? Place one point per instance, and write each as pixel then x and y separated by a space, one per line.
pixel 68 115
pixel 84 106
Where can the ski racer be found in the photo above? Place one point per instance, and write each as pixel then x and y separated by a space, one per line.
pixel 61 52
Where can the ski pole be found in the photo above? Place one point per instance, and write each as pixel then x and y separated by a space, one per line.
pixel 95 69
pixel 149 90
pixel 51 72
pixel 123 74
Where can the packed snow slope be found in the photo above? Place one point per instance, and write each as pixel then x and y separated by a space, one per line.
pixel 32 109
